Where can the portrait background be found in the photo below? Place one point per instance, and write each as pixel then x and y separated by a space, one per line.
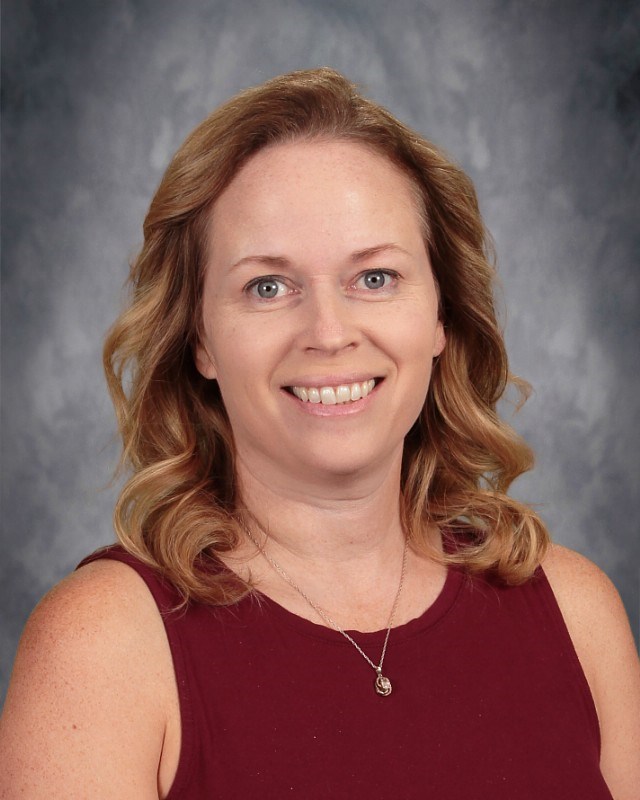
pixel 540 103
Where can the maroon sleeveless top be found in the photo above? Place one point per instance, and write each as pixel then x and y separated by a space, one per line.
pixel 489 700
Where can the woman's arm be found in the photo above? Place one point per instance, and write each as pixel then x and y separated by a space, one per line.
pixel 91 693
pixel 600 631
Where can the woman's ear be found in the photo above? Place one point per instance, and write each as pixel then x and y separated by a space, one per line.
pixel 204 362
pixel 440 339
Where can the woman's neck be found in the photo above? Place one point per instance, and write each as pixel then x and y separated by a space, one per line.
pixel 334 523
pixel 342 546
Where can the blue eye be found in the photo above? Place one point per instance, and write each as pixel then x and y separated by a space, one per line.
pixel 377 278
pixel 267 288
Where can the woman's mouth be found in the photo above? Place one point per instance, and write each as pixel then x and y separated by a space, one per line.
pixel 334 395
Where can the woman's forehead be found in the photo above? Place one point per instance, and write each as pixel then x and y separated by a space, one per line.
pixel 317 159
pixel 332 188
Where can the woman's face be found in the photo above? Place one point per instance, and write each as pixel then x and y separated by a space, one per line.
pixel 318 282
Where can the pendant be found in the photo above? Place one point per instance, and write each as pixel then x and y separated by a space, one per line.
pixel 383 685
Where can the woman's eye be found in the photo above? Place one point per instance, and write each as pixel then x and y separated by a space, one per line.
pixel 267 288
pixel 376 278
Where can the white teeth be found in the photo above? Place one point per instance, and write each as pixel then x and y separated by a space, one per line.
pixel 329 395
pixel 343 394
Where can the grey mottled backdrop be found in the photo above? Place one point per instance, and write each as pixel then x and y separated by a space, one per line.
pixel 538 99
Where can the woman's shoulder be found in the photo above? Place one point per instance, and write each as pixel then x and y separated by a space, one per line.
pixel 589 601
pixel 101 601
pixel 590 604
pixel 91 687
pixel 599 629
pixel 97 609
pixel 582 589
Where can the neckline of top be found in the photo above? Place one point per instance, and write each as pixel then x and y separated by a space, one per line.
pixel 429 617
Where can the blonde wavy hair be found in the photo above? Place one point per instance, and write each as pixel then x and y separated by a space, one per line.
pixel 177 508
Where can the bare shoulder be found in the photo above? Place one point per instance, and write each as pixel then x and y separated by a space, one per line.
pixel 601 634
pixel 590 603
pixel 91 688
pixel 583 590
pixel 102 590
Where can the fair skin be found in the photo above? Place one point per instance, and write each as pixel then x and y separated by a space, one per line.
pixel 93 683
pixel 340 246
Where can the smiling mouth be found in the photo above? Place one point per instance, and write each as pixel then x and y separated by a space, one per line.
pixel 334 395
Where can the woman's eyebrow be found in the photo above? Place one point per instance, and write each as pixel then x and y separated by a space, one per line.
pixel 356 258
pixel 369 252
pixel 271 261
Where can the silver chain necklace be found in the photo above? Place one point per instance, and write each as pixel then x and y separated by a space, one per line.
pixel 382 683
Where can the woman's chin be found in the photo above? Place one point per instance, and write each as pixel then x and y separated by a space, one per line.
pixel 344 465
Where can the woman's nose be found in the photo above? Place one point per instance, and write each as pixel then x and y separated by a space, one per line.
pixel 328 320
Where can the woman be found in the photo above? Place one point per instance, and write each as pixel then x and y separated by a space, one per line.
pixel 322 588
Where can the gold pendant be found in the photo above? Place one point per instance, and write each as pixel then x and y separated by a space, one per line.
pixel 383 685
